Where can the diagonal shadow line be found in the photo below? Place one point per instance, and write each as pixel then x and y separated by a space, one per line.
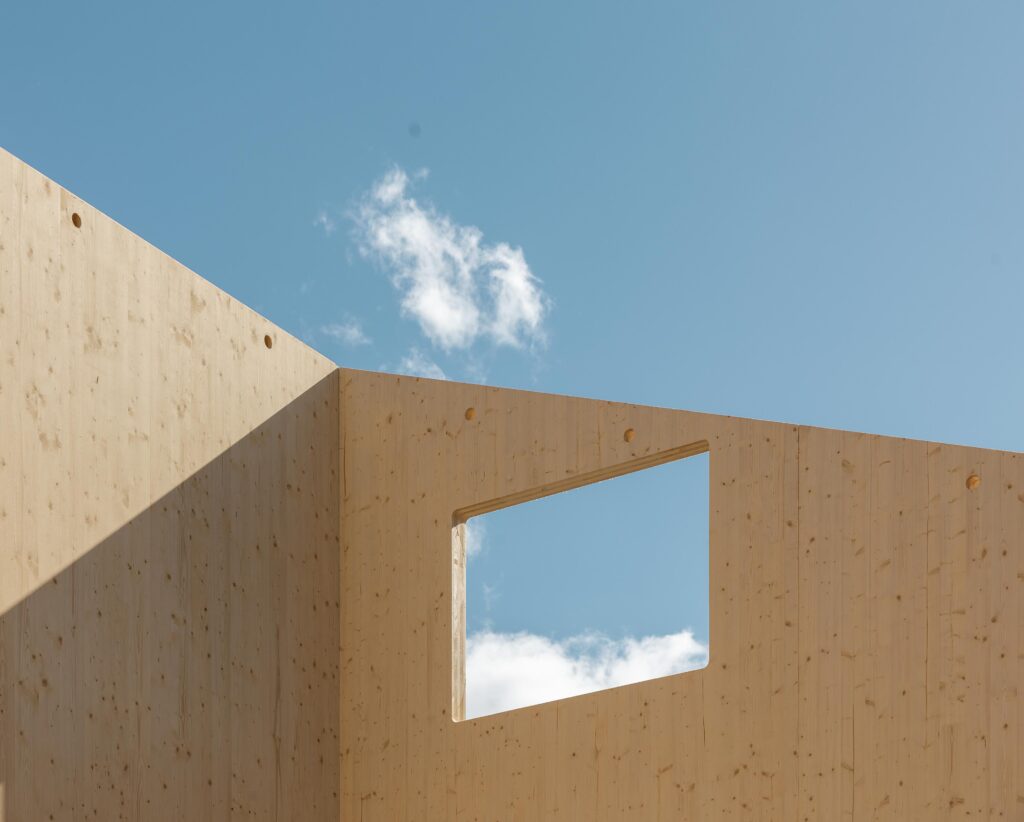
pixel 186 666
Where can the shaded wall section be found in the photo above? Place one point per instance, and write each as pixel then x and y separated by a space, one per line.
pixel 188 632
pixel 168 534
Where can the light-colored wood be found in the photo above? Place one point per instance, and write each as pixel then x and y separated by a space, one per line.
pixel 707 743
pixel 231 582
pixel 866 621
pixel 168 535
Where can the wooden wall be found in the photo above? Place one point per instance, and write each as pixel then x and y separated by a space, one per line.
pixel 168 535
pixel 228 588
pixel 867 622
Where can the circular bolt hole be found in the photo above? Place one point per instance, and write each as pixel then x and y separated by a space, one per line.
pixel 76 221
pixel 628 436
pixel 470 413
pixel 268 341
pixel 973 481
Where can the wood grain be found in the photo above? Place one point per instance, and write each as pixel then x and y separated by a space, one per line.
pixel 231 582
pixel 866 621
pixel 169 545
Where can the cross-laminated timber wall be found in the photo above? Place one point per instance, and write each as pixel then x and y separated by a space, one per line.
pixel 169 553
pixel 227 588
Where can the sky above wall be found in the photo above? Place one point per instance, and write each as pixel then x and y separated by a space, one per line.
pixel 791 211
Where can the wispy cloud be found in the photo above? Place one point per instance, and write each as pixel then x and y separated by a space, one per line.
pixel 418 364
pixel 491 595
pixel 476 532
pixel 349 332
pixel 505 671
pixel 326 222
pixel 457 287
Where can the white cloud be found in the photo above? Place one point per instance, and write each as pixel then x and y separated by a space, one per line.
pixel 505 671
pixel 476 532
pixel 491 595
pixel 326 222
pixel 519 304
pixel 419 365
pixel 457 287
pixel 349 332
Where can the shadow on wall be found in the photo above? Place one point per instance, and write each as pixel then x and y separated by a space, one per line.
pixel 187 666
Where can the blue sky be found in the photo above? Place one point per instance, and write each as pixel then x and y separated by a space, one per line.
pixel 798 211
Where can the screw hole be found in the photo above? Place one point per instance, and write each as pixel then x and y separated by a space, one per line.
pixel 76 221
pixel 268 341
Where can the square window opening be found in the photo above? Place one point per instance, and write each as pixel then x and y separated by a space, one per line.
pixel 567 592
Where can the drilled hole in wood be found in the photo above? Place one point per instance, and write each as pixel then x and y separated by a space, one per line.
pixel 268 341
pixel 470 413
pixel 973 481
pixel 76 221
pixel 628 436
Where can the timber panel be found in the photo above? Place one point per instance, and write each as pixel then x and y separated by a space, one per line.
pixel 716 741
pixel 168 512
pixel 228 587
pixel 867 631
